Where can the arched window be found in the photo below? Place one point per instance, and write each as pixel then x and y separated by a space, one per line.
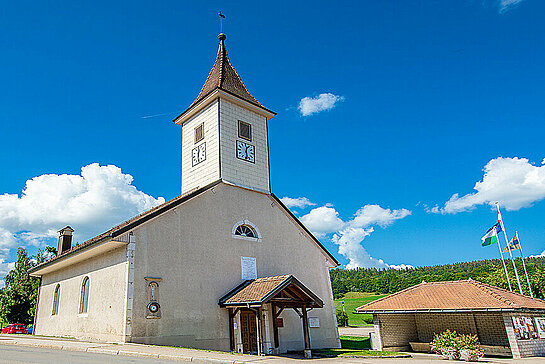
pixel 246 230
pixel 56 297
pixel 84 299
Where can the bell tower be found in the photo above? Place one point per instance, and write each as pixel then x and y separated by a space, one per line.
pixel 224 132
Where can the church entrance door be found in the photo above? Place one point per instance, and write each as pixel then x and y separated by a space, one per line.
pixel 249 331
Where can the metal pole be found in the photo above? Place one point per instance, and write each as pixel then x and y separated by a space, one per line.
pixel 509 249
pixel 504 266
pixel 524 265
pixel 345 321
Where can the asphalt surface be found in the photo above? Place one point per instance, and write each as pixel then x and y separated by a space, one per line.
pixel 14 354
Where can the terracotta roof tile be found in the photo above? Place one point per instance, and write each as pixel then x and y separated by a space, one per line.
pixel 257 290
pixel 453 295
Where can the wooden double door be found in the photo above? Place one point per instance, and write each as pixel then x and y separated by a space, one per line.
pixel 248 331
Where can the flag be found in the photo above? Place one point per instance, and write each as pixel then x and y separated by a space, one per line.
pixel 491 236
pixel 514 244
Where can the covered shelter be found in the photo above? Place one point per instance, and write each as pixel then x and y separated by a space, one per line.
pixel 506 323
pixel 256 305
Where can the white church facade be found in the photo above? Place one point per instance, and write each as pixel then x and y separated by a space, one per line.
pixel 223 266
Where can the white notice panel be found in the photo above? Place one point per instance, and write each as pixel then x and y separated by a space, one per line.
pixel 248 266
pixel 313 322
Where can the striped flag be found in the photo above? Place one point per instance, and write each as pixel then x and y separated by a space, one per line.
pixel 491 236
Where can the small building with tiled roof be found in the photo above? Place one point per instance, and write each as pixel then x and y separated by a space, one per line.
pixel 224 266
pixel 506 323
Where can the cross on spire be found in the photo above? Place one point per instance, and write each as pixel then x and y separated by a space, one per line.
pixel 221 21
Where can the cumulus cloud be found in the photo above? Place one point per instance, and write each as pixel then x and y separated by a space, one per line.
pixel 299 202
pixel 323 220
pixel 513 182
pixel 506 5
pixel 311 105
pixel 349 235
pixel 376 215
pixel 91 202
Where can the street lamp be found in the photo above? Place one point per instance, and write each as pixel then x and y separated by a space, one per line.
pixel 344 312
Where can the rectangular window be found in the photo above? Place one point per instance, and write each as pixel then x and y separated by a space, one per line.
pixel 244 130
pixel 199 133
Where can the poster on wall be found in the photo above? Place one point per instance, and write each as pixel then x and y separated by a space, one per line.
pixel 540 323
pixel 248 266
pixel 524 328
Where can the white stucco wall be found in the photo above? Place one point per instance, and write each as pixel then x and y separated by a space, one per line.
pixel 192 250
pixel 207 171
pixel 105 316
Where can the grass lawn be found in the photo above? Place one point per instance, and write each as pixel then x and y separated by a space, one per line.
pixel 354 346
pixel 353 300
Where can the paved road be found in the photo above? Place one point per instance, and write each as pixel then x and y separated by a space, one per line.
pixel 356 331
pixel 14 354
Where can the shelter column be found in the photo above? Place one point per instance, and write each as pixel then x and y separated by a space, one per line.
pixel 306 334
pixel 259 336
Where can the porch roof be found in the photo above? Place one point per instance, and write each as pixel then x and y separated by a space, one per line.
pixel 283 291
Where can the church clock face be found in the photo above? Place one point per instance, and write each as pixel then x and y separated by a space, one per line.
pixel 198 154
pixel 245 151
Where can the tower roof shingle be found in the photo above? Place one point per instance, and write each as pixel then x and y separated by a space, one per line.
pixel 223 76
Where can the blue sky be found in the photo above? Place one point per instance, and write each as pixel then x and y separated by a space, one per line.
pixel 424 95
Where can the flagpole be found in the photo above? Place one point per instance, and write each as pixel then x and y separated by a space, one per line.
pixel 504 266
pixel 524 264
pixel 508 248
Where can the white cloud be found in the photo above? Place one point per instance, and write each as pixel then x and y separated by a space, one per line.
pixel 299 202
pixel 97 199
pixel 506 5
pixel 401 266
pixel 322 102
pixel 513 182
pixel 538 256
pixel 349 235
pixel 323 220
pixel 376 215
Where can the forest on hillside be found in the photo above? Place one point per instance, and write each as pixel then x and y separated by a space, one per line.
pixel 393 280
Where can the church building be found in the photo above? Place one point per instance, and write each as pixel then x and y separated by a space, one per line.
pixel 224 266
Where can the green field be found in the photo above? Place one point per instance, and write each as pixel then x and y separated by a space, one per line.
pixel 353 300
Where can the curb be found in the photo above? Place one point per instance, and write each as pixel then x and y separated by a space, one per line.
pixel 108 351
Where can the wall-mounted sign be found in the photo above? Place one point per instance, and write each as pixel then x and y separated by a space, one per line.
pixel 313 322
pixel 279 322
pixel 248 266
pixel 524 328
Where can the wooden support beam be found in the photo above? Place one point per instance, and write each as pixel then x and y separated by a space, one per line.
pixel 259 338
pixel 306 334
pixel 231 330
pixel 275 325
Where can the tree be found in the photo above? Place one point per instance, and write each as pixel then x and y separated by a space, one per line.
pixel 18 297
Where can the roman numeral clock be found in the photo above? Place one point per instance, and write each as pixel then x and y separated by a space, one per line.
pixel 245 151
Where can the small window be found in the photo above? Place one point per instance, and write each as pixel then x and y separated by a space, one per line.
pixel 56 297
pixel 84 299
pixel 244 130
pixel 199 133
pixel 246 231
